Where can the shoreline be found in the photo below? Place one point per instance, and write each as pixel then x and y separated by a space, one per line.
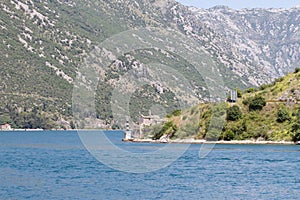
pixel 20 130
pixel 41 130
pixel 168 141
pixel 193 141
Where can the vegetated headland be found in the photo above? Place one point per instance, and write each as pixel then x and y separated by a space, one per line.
pixel 269 114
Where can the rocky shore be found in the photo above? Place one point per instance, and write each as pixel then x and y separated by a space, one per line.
pixel 193 141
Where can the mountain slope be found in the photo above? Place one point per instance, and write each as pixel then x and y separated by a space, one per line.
pixel 44 43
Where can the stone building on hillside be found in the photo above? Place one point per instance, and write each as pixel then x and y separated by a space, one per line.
pixel 147 121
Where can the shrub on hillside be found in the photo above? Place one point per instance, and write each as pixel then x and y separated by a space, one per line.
pixel 238 127
pixel 219 109
pixel 233 113
pixel 296 131
pixel 283 115
pixel 264 86
pixel 277 80
pixel 296 127
pixel 168 128
pixel 257 103
pixel 176 112
pixel 5 119
pixel 246 101
pixel 250 90
pixel 228 135
pixel 114 127
pixel 239 93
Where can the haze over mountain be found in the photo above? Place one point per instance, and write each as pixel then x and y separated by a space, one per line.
pixel 44 44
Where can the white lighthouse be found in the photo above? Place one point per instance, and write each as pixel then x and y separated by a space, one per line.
pixel 127 133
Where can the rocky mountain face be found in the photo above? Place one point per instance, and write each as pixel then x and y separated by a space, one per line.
pixel 265 40
pixel 44 44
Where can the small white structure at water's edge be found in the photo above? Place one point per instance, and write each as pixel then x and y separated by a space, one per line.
pixel 5 127
pixel 128 133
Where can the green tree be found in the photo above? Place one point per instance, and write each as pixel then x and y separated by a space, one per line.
pixel 296 131
pixel 238 128
pixel 283 115
pixel 233 113
pixel 228 135
pixel 72 125
pixel 296 128
pixel 239 93
pixel 115 126
pixel 257 103
pixel 5 119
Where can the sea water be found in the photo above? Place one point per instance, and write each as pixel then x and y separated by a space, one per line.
pixel 56 165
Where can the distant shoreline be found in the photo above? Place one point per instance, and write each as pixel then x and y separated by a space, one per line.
pixel 165 141
pixel 19 129
pixel 193 141
pixel 28 130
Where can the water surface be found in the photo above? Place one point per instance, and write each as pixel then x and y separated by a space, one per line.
pixel 55 165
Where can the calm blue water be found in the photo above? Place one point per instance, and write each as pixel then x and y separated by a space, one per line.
pixel 55 165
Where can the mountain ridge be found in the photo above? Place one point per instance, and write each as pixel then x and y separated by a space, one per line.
pixel 45 42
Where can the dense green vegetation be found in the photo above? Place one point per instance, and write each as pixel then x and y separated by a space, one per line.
pixel 256 103
pixel 296 127
pixel 168 129
pixel 271 113
pixel 33 118
pixel 283 115
pixel 233 113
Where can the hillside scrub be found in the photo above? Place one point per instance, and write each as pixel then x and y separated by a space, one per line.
pixel 258 115
pixel 168 129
